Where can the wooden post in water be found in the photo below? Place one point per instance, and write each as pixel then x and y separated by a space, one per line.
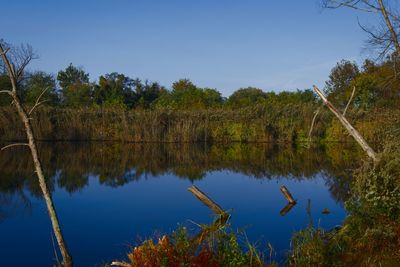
pixel 287 195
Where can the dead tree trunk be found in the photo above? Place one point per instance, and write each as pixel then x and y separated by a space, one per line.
pixel 67 260
pixel 353 132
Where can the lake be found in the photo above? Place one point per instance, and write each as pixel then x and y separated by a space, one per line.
pixel 111 196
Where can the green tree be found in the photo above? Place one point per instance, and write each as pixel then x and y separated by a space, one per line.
pixel 244 97
pixel 185 95
pixel 115 90
pixel 340 80
pixel 146 93
pixel 72 75
pixel 75 86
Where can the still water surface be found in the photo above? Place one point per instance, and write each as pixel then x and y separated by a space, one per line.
pixel 110 196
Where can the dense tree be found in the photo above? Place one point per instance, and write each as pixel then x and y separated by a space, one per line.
pixel 115 90
pixel 75 87
pixel 146 93
pixel 185 95
pixel 246 97
pixel 72 75
pixel 340 80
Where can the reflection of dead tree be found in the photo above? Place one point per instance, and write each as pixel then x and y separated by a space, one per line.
pixel 353 132
pixel 287 208
pixel 15 71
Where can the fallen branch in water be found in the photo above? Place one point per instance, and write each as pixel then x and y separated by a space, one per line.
pixel 206 200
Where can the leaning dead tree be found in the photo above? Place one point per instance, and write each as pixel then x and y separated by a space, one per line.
pixel 14 66
pixel 319 109
pixel 353 132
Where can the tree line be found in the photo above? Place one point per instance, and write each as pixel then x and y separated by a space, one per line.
pixel 375 85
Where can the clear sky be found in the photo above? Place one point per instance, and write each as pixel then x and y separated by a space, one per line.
pixel 271 44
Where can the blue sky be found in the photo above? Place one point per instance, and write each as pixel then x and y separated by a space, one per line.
pixel 271 44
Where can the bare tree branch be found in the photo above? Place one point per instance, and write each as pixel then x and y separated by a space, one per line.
pixel 384 38
pixel 312 124
pixel 5 51
pixel 12 145
pixel 37 103
pixel 5 91
pixel 350 99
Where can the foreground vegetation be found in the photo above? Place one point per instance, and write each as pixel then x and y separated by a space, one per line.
pixel 370 235
pixel 220 248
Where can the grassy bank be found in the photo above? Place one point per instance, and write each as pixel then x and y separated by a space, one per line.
pixel 288 123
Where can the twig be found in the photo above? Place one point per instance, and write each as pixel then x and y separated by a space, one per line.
pixel 37 103
pixel 5 91
pixel 16 144
pixel 350 99
pixel 4 52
